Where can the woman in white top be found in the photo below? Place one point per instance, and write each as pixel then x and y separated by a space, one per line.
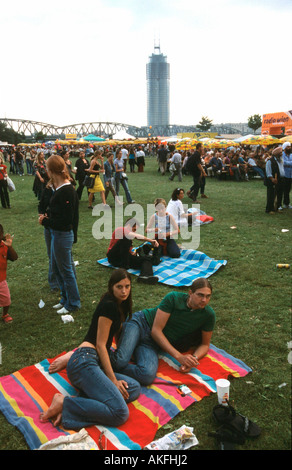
pixel 119 178
pixel 165 229
pixel 176 209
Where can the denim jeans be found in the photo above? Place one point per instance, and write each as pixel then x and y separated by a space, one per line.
pixel 62 266
pixel 100 401
pixel 124 183
pixel 28 166
pixel 172 248
pixel 52 278
pixel 19 167
pixel 136 341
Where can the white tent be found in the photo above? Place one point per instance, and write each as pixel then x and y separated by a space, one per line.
pixel 244 137
pixel 172 139
pixel 123 135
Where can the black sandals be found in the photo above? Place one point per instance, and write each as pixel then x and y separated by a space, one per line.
pixel 234 429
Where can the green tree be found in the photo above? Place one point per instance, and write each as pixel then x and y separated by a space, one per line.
pixel 39 136
pixel 10 135
pixel 204 124
pixel 254 122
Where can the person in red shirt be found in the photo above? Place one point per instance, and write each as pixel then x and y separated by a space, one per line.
pixel 120 254
pixel 6 253
pixel 4 195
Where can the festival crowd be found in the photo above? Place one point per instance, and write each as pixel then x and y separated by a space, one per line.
pixel 182 323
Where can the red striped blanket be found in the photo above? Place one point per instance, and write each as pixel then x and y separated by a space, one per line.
pixel 29 391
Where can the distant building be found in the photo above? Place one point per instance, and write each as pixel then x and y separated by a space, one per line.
pixel 157 74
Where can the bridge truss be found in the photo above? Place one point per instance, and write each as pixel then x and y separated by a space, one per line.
pixel 105 129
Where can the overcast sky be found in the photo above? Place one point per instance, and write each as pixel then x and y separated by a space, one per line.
pixel 68 61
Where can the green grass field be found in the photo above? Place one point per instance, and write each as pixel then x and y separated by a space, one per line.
pixel 251 298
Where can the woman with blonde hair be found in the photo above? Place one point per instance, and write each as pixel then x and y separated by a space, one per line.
pixel 62 220
pixel 41 176
pixel 96 167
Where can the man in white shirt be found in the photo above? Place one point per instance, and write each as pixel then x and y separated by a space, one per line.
pixel 125 154
pixel 140 157
pixel 175 160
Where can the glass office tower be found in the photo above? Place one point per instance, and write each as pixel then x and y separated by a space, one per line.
pixel 157 74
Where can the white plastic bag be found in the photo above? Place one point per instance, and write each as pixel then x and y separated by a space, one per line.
pixel 10 184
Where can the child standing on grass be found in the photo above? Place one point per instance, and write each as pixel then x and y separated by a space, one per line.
pixel 6 253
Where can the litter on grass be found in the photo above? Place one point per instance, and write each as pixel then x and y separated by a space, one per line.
pixel 181 439
pixel 67 318
pixel 282 385
pixel 41 303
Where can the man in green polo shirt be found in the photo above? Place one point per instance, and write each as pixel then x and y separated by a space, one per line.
pixel 181 321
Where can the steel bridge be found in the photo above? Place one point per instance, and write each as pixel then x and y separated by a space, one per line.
pixel 107 129
pixel 30 128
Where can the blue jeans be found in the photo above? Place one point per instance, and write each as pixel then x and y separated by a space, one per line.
pixel 100 401
pixel 124 183
pixel 258 170
pixel 62 266
pixel 19 167
pixel 136 341
pixel 28 166
pixel 52 278
pixel 172 248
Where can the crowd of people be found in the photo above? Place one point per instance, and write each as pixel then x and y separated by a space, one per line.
pixel 182 323
pixel 272 164
pixel 240 163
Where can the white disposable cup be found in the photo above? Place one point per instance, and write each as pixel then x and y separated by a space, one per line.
pixel 223 387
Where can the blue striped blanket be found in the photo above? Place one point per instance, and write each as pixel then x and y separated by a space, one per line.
pixel 181 271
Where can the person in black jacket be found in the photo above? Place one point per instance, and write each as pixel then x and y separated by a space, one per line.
pixel 274 180
pixel 43 208
pixel 81 164
pixel 195 168
pixel 62 220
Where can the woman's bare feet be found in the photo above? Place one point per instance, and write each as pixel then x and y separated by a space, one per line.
pixel 54 412
pixel 60 363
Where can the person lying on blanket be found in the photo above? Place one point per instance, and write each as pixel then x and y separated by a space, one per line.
pixel 180 322
pixel 104 394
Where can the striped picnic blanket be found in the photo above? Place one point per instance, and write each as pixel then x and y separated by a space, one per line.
pixel 181 271
pixel 29 391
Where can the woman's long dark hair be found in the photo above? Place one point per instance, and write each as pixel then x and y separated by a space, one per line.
pixel 126 306
pixel 175 193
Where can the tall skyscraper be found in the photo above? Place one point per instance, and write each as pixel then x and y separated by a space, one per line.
pixel 157 74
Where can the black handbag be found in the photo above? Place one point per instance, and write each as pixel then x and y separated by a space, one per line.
pixel 88 182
